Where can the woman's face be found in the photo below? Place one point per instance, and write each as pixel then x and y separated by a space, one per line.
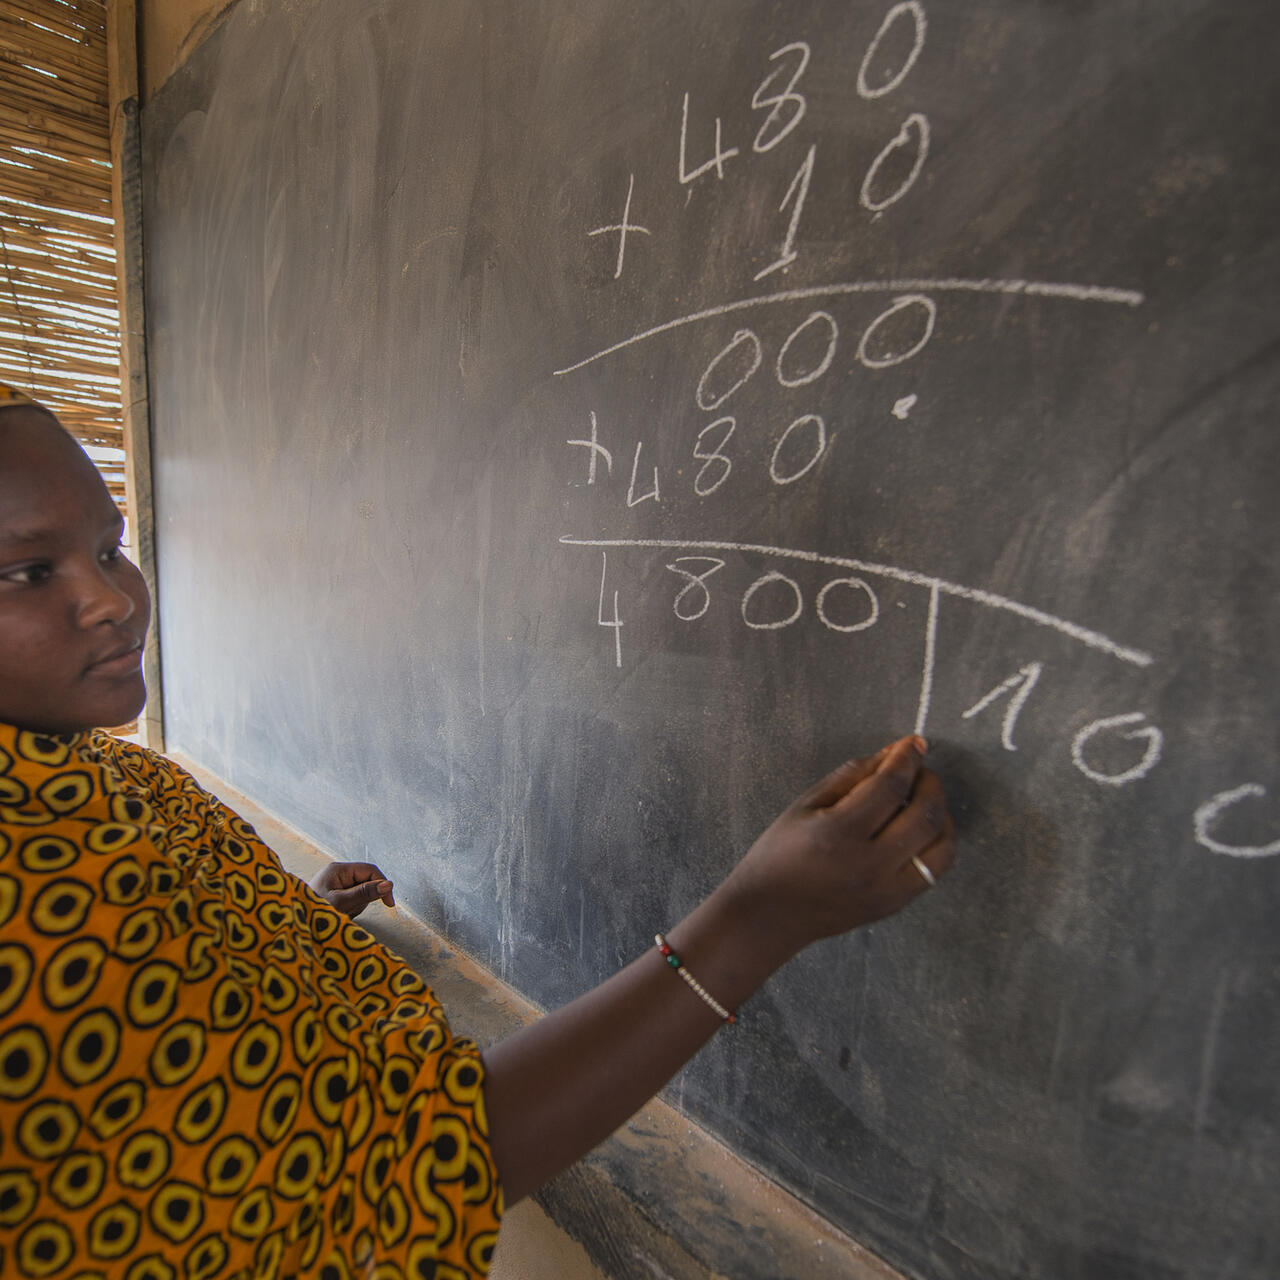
pixel 73 610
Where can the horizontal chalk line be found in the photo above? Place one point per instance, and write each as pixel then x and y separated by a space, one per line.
pixel 1032 288
pixel 1094 639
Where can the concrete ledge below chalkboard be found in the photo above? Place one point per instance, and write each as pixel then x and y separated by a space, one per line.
pixel 661 1198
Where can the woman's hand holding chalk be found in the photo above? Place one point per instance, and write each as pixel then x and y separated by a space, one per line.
pixel 846 853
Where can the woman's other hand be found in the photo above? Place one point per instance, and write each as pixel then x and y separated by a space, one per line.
pixel 351 886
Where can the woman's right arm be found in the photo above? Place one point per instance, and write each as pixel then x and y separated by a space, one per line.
pixel 839 857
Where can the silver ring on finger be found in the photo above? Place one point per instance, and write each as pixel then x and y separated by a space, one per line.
pixel 929 878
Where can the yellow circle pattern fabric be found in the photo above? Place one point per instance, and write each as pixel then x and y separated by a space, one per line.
pixel 206 1072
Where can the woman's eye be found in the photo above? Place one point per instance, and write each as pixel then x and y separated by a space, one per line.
pixel 28 573
pixel 112 553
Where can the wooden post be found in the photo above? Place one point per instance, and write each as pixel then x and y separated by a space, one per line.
pixel 126 201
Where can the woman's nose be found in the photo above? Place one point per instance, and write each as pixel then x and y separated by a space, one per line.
pixel 102 600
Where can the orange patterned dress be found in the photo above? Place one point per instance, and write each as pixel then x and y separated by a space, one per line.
pixel 205 1070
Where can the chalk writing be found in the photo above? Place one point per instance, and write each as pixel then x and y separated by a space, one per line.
pixel 1092 639
pixel 774 624
pixel 743 340
pixel 889 358
pixel 595 450
pixel 774 600
pixel 1028 288
pixel 913 135
pixel 852 584
pixel 1018 686
pixel 622 228
pixel 719 156
pixel 1150 756
pixel 1114 751
pixel 797 191
pixel 930 659
pixel 707 481
pixel 819 446
pixel 616 621
pixel 1207 815
pixel 802 377
pixel 909 8
pixel 771 132
pixel 697 582
pixel 632 498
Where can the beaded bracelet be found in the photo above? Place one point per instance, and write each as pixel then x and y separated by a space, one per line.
pixel 698 989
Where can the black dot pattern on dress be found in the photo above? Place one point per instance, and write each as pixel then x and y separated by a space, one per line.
pixel 207 1073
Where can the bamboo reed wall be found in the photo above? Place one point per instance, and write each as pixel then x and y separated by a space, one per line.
pixel 59 314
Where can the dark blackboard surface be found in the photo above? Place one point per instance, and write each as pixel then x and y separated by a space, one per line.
pixel 1005 418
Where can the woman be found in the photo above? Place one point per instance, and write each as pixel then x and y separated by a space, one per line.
pixel 205 1069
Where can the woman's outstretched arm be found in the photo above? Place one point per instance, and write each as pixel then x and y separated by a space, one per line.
pixel 841 856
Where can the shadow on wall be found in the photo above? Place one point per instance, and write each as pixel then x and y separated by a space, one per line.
pixel 169 31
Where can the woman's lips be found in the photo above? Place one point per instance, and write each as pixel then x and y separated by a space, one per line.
pixel 121 663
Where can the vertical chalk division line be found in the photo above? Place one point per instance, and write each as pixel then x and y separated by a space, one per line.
pixel 930 652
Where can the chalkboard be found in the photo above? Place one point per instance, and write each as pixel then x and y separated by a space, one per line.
pixel 577 427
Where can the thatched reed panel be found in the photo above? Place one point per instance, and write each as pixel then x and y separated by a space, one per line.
pixel 59 315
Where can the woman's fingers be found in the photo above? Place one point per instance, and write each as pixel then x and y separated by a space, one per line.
pixel 919 838
pixel 922 871
pixel 920 821
pixel 351 886
pixel 352 902
pixel 369 877
pixel 353 873
pixel 841 856
pixel 877 798
pixel 840 781
pixel 900 813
